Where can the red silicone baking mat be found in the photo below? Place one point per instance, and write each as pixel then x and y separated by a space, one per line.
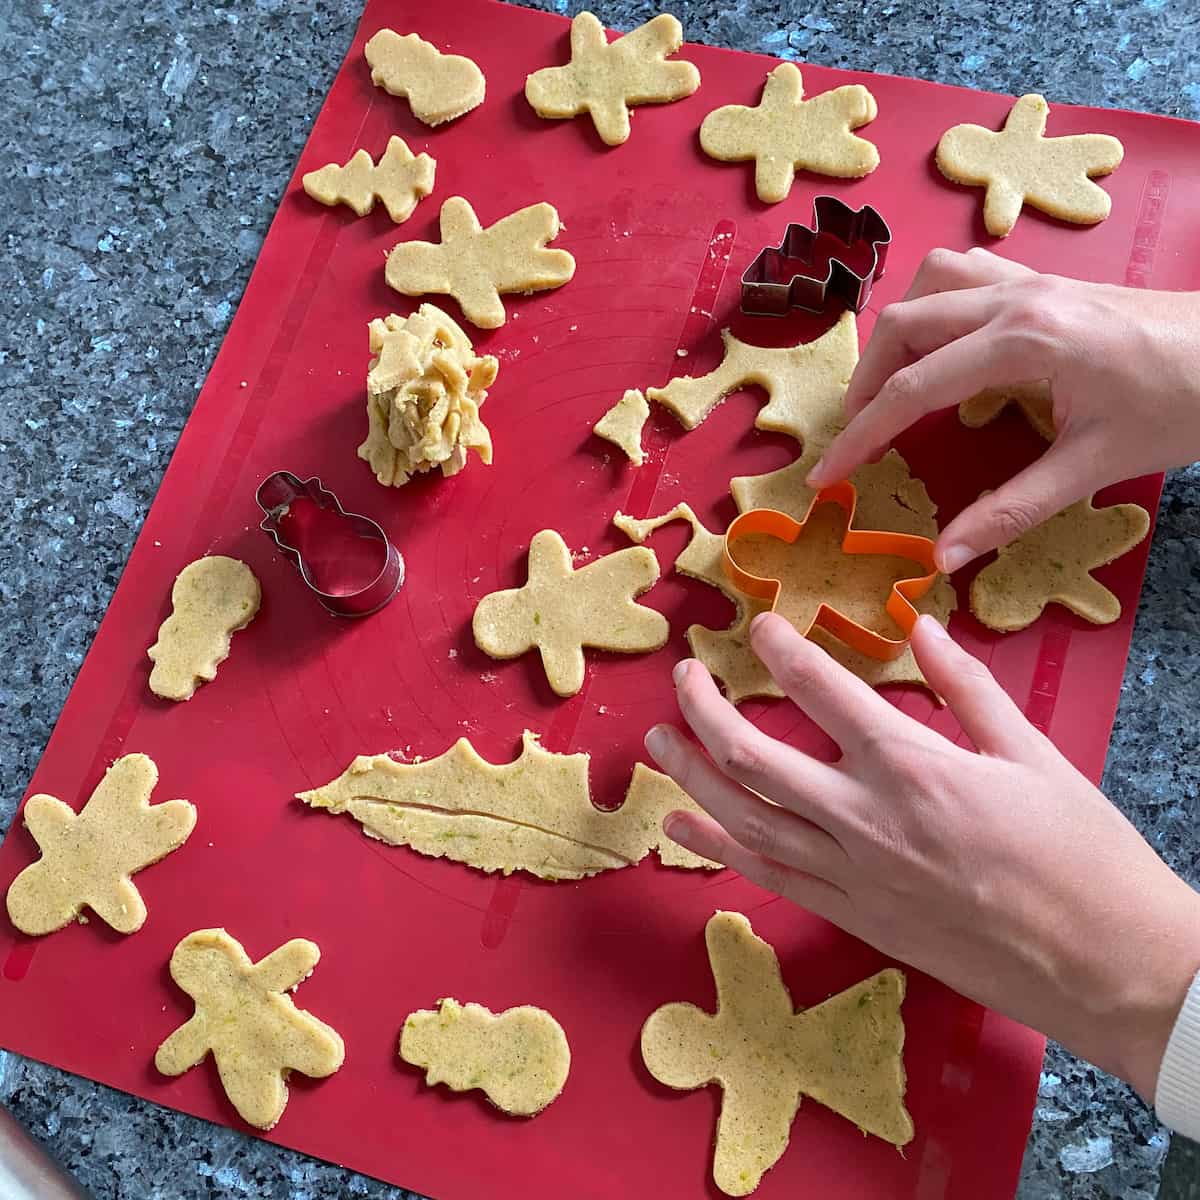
pixel 303 692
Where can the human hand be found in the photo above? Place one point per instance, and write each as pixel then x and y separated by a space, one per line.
pixel 1123 366
pixel 1004 873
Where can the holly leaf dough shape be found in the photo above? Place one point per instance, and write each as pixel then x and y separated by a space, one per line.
pixel 519 1058
pixel 399 179
pixel 245 1018
pixel 560 610
pixel 846 1053
pixel 1052 564
pixel 1019 165
pixel 89 856
pixel 604 78
pixel 533 814
pixel 475 265
pixel 785 133
pixel 439 87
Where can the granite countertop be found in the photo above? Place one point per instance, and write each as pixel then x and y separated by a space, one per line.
pixel 144 151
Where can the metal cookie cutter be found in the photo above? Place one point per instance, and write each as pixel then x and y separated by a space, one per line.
pixel 813 262
pixel 353 580
pixel 900 606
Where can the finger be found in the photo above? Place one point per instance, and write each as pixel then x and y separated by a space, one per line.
pixel 762 828
pixel 1066 472
pixel 908 331
pixel 784 775
pixel 704 836
pixel 843 705
pixel 950 270
pixel 982 707
pixel 945 377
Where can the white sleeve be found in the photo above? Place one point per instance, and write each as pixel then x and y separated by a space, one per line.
pixel 1177 1096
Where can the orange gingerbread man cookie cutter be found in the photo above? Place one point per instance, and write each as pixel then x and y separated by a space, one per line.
pixel 901 603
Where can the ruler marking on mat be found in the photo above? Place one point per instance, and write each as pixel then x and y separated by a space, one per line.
pixel 560 732
pixel 1146 233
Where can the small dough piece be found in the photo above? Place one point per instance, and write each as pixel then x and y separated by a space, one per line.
pixel 439 87
pixel 245 1017
pixel 400 180
pixel 1033 399
pixel 475 265
pixel 604 78
pixel 561 610
pixel 533 814
pixel 804 384
pixel 1052 563
pixel 622 425
pixel 89 856
pixel 519 1058
pixel 847 1054
pixel 786 133
pixel 425 387
pixel 211 600
pixel 1020 165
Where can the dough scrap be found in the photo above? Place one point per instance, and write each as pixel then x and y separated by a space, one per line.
pixel 804 384
pixel 533 814
pixel 439 87
pixel 425 386
pixel 622 425
pixel 211 600
pixel 1052 563
pixel 475 265
pixel 785 133
pixel 1019 165
pixel 1033 399
pixel 246 1019
pixel 519 1058
pixel 561 610
pixel 400 180
pixel 847 1054
pixel 89 856
pixel 604 78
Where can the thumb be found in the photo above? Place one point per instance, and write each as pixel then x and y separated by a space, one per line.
pixel 1064 473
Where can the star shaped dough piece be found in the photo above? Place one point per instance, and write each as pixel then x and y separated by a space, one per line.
pixel 400 180
pixel 89 856
pixel 561 610
pixel 246 1018
pixel 475 265
pixel 1019 165
pixel 1052 563
pixel 604 78
pixel 804 384
pixel 846 1053
pixel 440 87
pixel 1033 399
pixel 785 133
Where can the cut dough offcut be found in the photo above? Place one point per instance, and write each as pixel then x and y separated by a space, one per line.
pixel 519 1058
pixel 561 610
pixel 425 387
pixel 534 814
pixel 1052 564
pixel 846 1053
pixel 1033 399
pixel 440 87
pixel 1019 165
pixel 622 425
pixel 604 78
pixel 785 133
pixel 477 265
pixel 804 384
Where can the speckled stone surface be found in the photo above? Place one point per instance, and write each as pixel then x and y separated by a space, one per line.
pixel 142 154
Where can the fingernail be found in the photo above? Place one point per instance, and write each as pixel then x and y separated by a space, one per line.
pixel 754 625
pixel 933 627
pixel 953 557
pixel 675 827
pixel 816 477
pixel 679 673
pixel 655 741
